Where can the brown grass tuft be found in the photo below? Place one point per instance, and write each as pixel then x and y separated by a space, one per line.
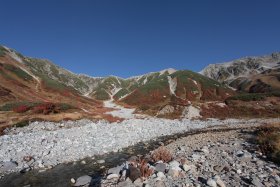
pixel 161 154
pixel 268 138
pixel 145 170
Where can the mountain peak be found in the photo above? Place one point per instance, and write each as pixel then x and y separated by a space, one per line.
pixel 169 70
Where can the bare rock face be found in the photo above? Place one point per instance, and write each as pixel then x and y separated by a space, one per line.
pixel 247 74
pixel 168 109
pixel 191 112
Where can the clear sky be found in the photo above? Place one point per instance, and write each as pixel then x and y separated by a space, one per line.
pixel 132 37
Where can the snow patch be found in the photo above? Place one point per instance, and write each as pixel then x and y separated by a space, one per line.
pixel 195 82
pixel 13 55
pixel 120 111
pixel 172 85
pixel 85 110
pixel 145 81
pixel 191 112
pixel 221 105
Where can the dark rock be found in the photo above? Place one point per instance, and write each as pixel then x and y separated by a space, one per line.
pixel 133 173
pixel 160 167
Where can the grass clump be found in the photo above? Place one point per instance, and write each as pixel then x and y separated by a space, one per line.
pixel 161 154
pixel 268 138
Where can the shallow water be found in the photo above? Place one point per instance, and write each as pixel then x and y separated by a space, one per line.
pixel 61 174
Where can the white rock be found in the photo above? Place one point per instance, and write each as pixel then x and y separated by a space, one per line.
pixel 219 181
pixel 100 161
pixel 186 167
pixel 211 182
pixel 73 180
pixel 174 164
pixel 161 175
pixel 112 176
pixel 83 180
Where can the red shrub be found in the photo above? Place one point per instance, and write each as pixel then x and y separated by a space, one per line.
pixel 46 108
pixel 145 169
pixel 21 109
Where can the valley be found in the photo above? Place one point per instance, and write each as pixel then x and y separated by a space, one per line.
pixel 50 116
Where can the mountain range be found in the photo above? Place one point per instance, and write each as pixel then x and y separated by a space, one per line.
pixel 249 74
pixel 28 80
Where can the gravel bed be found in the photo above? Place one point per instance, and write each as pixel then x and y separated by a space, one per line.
pixel 45 144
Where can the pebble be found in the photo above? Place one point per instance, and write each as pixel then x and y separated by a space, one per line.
pixel 219 181
pixel 83 180
pixel 161 167
pixel 174 164
pixel 100 161
pixel 73 180
pixel 112 176
pixel 43 139
pixel 211 182
pixel 161 175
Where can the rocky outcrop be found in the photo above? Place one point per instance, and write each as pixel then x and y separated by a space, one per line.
pixel 254 74
pixel 215 159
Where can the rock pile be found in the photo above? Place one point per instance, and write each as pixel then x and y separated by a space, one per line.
pixel 213 159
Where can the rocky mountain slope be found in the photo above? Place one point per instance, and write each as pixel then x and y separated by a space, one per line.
pixel 30 88
pixel 27 84
pixel 250 74
pixel 169 83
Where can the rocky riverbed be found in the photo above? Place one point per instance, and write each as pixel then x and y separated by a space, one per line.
pixel 42 145
pixel 209 159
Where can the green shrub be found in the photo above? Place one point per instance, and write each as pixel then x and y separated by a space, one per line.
pixel 65 106
pixel 121 93
pixel 2 51
pixel 21 124
pixel 101 94
pixel 253 96
pixel 18 72
pixel 12 105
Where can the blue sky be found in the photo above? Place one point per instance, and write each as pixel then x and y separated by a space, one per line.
pixel 125 38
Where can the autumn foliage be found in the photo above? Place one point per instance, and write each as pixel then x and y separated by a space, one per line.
pixel 21 109
pixel 46 108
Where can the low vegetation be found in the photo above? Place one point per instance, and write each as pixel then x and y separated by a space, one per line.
pixel 161 154
pixel 14 105
pixel 253 96
pixel 101 94
pixel 268 138
pixel 2 51
pixel 36 107
pixel 121 93
pixel 18 72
